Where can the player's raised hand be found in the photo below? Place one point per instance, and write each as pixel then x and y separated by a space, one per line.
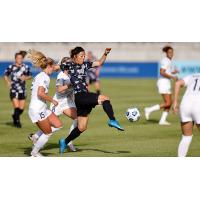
pixel 107 51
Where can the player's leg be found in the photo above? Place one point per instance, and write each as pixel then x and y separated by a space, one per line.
pixel 166 106
pixel 105 102
pixel 71 113
pixel 48 126
pixel 97 87
pixel 82 126
pixel 16 113
pixel 186 138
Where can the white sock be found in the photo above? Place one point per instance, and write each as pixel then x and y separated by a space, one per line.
pixel 40 143
pixel 55 129
pixel 154 108
pixel 38 134
pixel 164 116
pixel 74 125
pixel 184 145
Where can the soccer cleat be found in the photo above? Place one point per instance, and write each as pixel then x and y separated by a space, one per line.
pixel 62 145
pixel 165 123
pixel 115 124
pixel 72 147
pixel 32 138
pixel 147 113
pixel 36 154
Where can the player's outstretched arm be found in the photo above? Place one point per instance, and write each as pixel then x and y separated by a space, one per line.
pixel 178 85
pixel 101 61
pixel 41 93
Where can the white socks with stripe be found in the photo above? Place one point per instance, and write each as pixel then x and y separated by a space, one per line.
pixel 184 145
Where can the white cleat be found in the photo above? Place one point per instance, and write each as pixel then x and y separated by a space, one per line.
pixel 165 123
pixel 36 154
pixel 32 138
pixel 147 113
pixel 72 147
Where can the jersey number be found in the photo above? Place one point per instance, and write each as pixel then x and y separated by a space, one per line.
pixel 195 85
pixel 42 115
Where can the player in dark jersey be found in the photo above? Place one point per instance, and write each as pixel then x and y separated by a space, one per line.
pixel 93 74
pixel 15 76
pixel 85 101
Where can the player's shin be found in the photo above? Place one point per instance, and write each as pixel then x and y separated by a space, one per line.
pixel 184 145
pixel 108 109
pixel 73 135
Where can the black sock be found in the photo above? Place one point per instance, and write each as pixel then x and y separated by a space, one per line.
pixel 98 92
pixel 108 109
pixel 20 111
pixel 16 115
pixel 73 135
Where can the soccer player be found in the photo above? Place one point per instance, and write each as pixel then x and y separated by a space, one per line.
pixel 167 72
pixel 85 101
pixel 189 110
pixel 65 98
pixel 93 74
pixel 45 119
pixel 15 77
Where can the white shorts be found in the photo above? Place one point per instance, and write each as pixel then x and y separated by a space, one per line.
pixel 36 116
pixel 63 104
pixel 190 111
pixel 164 86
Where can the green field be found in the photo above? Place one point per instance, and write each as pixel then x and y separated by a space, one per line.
pixel 139 139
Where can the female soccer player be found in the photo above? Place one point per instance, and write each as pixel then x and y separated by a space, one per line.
pixel 16 76
pixel 45 119
pixel 189 110
pixel 85 100
pixel 164 86
pixel 65 98
pixel 93 74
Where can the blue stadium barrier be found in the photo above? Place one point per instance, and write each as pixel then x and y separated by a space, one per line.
pixel 112 69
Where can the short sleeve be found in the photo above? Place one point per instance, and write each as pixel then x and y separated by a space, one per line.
pixel 164 64
pixel 27 71
pixel 8 70
pixel 59 82
pixel 186 80
pixel 43 83
pixel 88 64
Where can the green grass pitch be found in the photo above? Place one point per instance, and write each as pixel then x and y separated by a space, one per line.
pixel 139 139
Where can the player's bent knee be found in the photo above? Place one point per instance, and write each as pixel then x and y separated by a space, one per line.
pixel 82 128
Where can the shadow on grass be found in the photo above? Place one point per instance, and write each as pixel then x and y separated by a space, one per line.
pixel 151 121
pixel 103 151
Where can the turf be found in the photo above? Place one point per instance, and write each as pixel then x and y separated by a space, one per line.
pixel 139 139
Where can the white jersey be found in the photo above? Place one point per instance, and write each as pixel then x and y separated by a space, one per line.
pixel 166 64
pixel 62 80
pixel 38 104
pixel 192 83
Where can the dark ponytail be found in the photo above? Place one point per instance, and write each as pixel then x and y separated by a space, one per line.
pixel 167 48
pixel 76 51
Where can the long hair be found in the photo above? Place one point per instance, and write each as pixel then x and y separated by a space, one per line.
pixel 39 59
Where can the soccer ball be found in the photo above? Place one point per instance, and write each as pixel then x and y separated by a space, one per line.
pixel 133 114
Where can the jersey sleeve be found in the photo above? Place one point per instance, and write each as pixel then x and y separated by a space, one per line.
pixel 186 80
pixel 27 71
pixel 43 82
pixel 8 70
pixel 164 64
pixel 88 64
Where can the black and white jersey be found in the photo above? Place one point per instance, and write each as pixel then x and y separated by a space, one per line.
pixel 78 76
pixel 15 72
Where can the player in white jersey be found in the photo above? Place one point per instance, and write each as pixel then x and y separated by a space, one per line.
pixel 189 110
pixel 65 97
pixel 39 113
pixel 167 72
